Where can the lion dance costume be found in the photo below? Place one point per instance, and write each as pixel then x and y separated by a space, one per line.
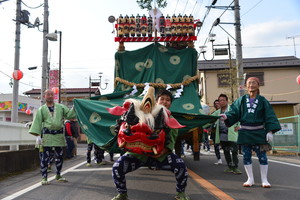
pixel 147 132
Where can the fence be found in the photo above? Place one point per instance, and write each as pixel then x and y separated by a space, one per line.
pixel 288 138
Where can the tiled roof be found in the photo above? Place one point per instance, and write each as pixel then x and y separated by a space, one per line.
pixel 248 63
pixel 66 90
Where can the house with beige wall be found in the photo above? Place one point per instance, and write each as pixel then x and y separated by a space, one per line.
pixel 277 78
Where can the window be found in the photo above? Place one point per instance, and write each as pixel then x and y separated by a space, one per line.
pixel 259 75
pixel 224 80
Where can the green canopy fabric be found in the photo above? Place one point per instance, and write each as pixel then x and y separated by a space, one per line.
pixel 153 64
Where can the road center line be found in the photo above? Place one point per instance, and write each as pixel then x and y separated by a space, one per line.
pixel 209 186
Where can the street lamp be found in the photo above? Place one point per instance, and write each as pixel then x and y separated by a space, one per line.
pixel 53 37
pixel 220 52
pixel 97 82
pixel 106 82
pixel 203 48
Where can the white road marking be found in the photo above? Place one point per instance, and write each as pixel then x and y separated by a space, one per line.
pixel 280 162
pixel 91 169
pixel 21 192
pixel 73 169
pixel 284 163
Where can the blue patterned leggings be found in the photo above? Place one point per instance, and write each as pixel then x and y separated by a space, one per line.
pixel 128 163
pixel 98 153
pixel 247 152
pixel 217 151
pixel 46 155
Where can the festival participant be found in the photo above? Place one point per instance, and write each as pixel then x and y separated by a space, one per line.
pixel 49 123
pixel 166 160
pixel 227 137
pixel 75 132
pixel 258 124
pixel 213 136
pixel 69 139
pixel 98 153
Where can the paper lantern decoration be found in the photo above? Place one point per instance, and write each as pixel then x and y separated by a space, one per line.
pixel 55 90
pixel 17 75
pixel 298 79
pixel 28 111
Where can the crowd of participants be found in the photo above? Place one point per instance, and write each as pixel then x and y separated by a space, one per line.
pixel 248 124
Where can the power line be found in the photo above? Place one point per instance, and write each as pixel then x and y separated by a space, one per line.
pixel 176 7
pixel 226 9
pixel 19 81
pixel 32 7
pixel 252 8
pixel 208 9
pixel 5 74
pixel 194 7
pixel 269 46
pixel 185 6
pixel 280 94
pixel 197 11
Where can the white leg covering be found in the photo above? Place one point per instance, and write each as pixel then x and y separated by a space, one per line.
pixel 264 174
pixel 249 171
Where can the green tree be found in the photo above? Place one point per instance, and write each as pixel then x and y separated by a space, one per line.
pixel 147 4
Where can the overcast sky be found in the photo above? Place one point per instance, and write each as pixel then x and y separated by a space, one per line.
pixel 88 45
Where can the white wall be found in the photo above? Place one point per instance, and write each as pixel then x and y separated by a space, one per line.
pixel 15 134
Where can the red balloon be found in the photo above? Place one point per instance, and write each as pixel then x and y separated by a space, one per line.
pixel 55 90
pixel 28 111
pixel 17 75
pixel 298 79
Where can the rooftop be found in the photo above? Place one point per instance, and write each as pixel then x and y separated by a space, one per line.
pixel 250 63
pixel 65 90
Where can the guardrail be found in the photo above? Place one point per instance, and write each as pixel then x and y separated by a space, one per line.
pixel 14 135
pixel 288 138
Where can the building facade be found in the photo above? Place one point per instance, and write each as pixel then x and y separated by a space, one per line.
pixel 24 104
pixel 277 80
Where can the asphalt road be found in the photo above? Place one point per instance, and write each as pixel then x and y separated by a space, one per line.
pixel 206 181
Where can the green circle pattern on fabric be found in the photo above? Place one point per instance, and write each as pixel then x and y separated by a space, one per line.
pixel 95 117
pixel 139 66
pixel 186 77
pixel 148 63
pixel 159 80
pixel 188 106
pixel 162 49
pixel 112 129
pixel 175 60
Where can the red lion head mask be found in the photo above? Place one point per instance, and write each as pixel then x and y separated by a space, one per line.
pixel 143 125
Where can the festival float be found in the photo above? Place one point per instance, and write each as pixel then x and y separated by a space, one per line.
pixel 168 61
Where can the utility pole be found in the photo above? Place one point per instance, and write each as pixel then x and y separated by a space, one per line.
pixel 239 53
pixel 44 85
pixel 14 111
